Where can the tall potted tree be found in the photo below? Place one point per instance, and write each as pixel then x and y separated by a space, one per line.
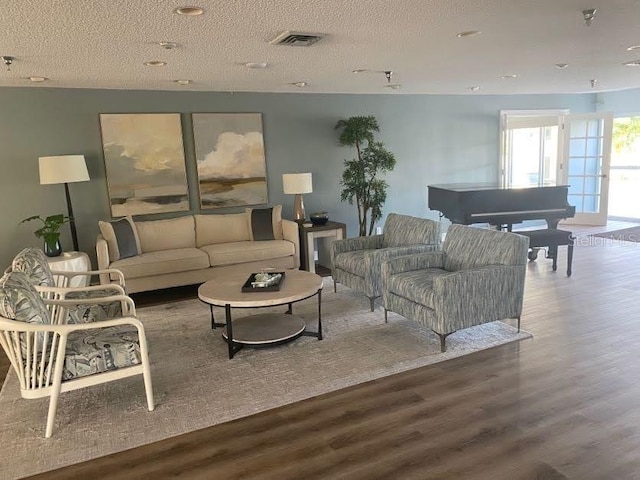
pixel 361 182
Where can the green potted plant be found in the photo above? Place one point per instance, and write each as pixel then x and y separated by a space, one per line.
pixel 50 232
pixel 361 180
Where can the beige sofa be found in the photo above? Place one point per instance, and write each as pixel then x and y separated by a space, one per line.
pixel 186 250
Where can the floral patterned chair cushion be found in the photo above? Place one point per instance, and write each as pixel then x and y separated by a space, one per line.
pixel 19 300
pixel 101 350
pixel 92 313
pixel 33 262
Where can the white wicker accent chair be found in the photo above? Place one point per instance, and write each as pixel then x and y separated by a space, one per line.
pixel 51 357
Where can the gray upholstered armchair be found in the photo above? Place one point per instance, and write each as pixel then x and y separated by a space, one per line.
pixel 356 262
pixel 478 277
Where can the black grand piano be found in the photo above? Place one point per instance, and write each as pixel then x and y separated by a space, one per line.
pixel 468 203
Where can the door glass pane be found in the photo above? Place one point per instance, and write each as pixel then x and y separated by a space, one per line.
pixel 590 204
pixel 576 166
pixel 592 185
pixel 577 147
pixel 593 147
pixel 592 166
pixel 593 128
pixel 576 185
pixel 579 128
pixel 576 201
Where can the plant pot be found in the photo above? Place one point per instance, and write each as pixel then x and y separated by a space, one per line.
pixel 52 247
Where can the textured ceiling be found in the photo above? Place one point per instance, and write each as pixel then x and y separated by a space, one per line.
pixel 103 44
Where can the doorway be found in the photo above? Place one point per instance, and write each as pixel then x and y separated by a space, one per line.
pixel 624 196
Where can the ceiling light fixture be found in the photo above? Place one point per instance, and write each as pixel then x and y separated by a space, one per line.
pixel 299 84
pixel 189 11
pixel 394 86
pixel 633 47
pixel 633 63
pixel 512 75
pixel 388 73
pixel 256 65
pixel 155 63
pixel 475 88
pixel 469 33
pixel 183 81
pixel 561 65
pixel 8 60
pixel 593 82
pixel 168 45
pixel 38 79
pixel 359 70
pixel 589 15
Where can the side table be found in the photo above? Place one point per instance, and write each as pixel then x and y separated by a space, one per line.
pixel 72 262
pixel 331 230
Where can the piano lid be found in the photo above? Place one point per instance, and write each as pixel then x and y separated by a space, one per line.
pixel 472 187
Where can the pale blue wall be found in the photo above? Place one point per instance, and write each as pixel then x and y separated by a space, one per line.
pixel 436 139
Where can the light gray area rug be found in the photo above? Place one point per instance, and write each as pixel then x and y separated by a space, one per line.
pixel 196 385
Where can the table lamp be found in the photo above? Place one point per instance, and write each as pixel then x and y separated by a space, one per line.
pixel 297 184
pixel 64 169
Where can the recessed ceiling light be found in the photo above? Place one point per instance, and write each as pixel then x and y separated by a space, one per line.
pixel 189 11
pixel 633 47
pixel 183 81
pixel 469 33
pixel 561 65
pixel 168 45
pixel 155 63
pixel 256 65
pixel 359 70
pixel 511 75
pixel 475 88
pixel 38 79
pixel 633 63
pixel 299 84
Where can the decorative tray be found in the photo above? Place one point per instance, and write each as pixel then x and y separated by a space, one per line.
pixel 263 282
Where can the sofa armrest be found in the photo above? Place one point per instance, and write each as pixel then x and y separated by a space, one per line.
pixel 406 263
pixel 484 294
pixel 355 244
pixel 290 233
pixel 102 253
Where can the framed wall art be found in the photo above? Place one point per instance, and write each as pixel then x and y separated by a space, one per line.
pixel 230 159
pixel 144 163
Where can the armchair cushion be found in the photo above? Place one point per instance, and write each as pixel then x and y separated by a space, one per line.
pixel 19 300
pixel 101 350
pixel 92 313
pixel 33 262
pixel 352 262
pixel 416 285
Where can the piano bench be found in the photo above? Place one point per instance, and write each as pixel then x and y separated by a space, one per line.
pixel 551 238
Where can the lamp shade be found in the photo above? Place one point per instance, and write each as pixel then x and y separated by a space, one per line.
pixel 297 183
pixel 63 169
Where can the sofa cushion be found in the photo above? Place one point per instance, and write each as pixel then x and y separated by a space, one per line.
pixel 169 234
pixel 101 350
pixel 161 262
pixel 242 252
pixel 416 285
pixel 122 238
pixel 215 229
pixel 352 262
pixel 256 225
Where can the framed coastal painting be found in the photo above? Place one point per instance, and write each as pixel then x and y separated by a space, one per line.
pixel 230 159
pixel 144 163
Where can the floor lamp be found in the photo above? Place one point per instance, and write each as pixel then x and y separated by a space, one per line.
pixel 297 184
pixel 64 169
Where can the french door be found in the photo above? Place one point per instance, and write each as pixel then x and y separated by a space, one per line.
pixel 585 166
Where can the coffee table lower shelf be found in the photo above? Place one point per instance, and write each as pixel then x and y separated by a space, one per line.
pixel 266 329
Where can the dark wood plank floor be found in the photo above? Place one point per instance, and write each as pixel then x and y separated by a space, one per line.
pixel 565 405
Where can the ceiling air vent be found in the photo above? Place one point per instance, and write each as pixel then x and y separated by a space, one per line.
pixel 296 39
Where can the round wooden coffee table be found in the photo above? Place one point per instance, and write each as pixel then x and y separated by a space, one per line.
pixel 225 290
